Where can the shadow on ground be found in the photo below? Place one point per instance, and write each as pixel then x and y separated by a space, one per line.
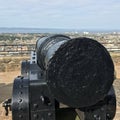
pixel 5 91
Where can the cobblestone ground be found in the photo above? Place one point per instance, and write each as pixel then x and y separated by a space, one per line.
pixel 117 117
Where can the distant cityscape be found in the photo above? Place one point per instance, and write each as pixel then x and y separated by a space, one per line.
pixel 54 30
pixel 23 43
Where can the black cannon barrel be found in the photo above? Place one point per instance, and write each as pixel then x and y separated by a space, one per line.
pixel 46 48
pixel 79 71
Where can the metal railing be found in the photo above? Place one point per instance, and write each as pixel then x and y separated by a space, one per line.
pixel 13 49
pixel 25 49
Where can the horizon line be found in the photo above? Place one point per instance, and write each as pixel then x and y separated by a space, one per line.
pixel 60 28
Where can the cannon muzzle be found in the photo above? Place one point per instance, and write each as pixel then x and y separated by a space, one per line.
pixel 79 72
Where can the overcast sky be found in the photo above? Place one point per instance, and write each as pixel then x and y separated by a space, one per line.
pixel 75 14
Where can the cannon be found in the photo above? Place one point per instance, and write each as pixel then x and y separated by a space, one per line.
pixel 63 79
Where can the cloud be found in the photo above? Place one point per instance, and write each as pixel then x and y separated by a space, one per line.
pixel 59 13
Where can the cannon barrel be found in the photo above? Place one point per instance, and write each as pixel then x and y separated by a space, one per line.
pixel 46 47
pixel 79 72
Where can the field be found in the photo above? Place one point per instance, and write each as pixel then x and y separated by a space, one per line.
pixel 10 68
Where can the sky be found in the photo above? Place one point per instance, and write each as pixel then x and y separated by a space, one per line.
pixel 65 14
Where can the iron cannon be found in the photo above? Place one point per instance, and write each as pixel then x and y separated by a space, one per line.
pixel 63 79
